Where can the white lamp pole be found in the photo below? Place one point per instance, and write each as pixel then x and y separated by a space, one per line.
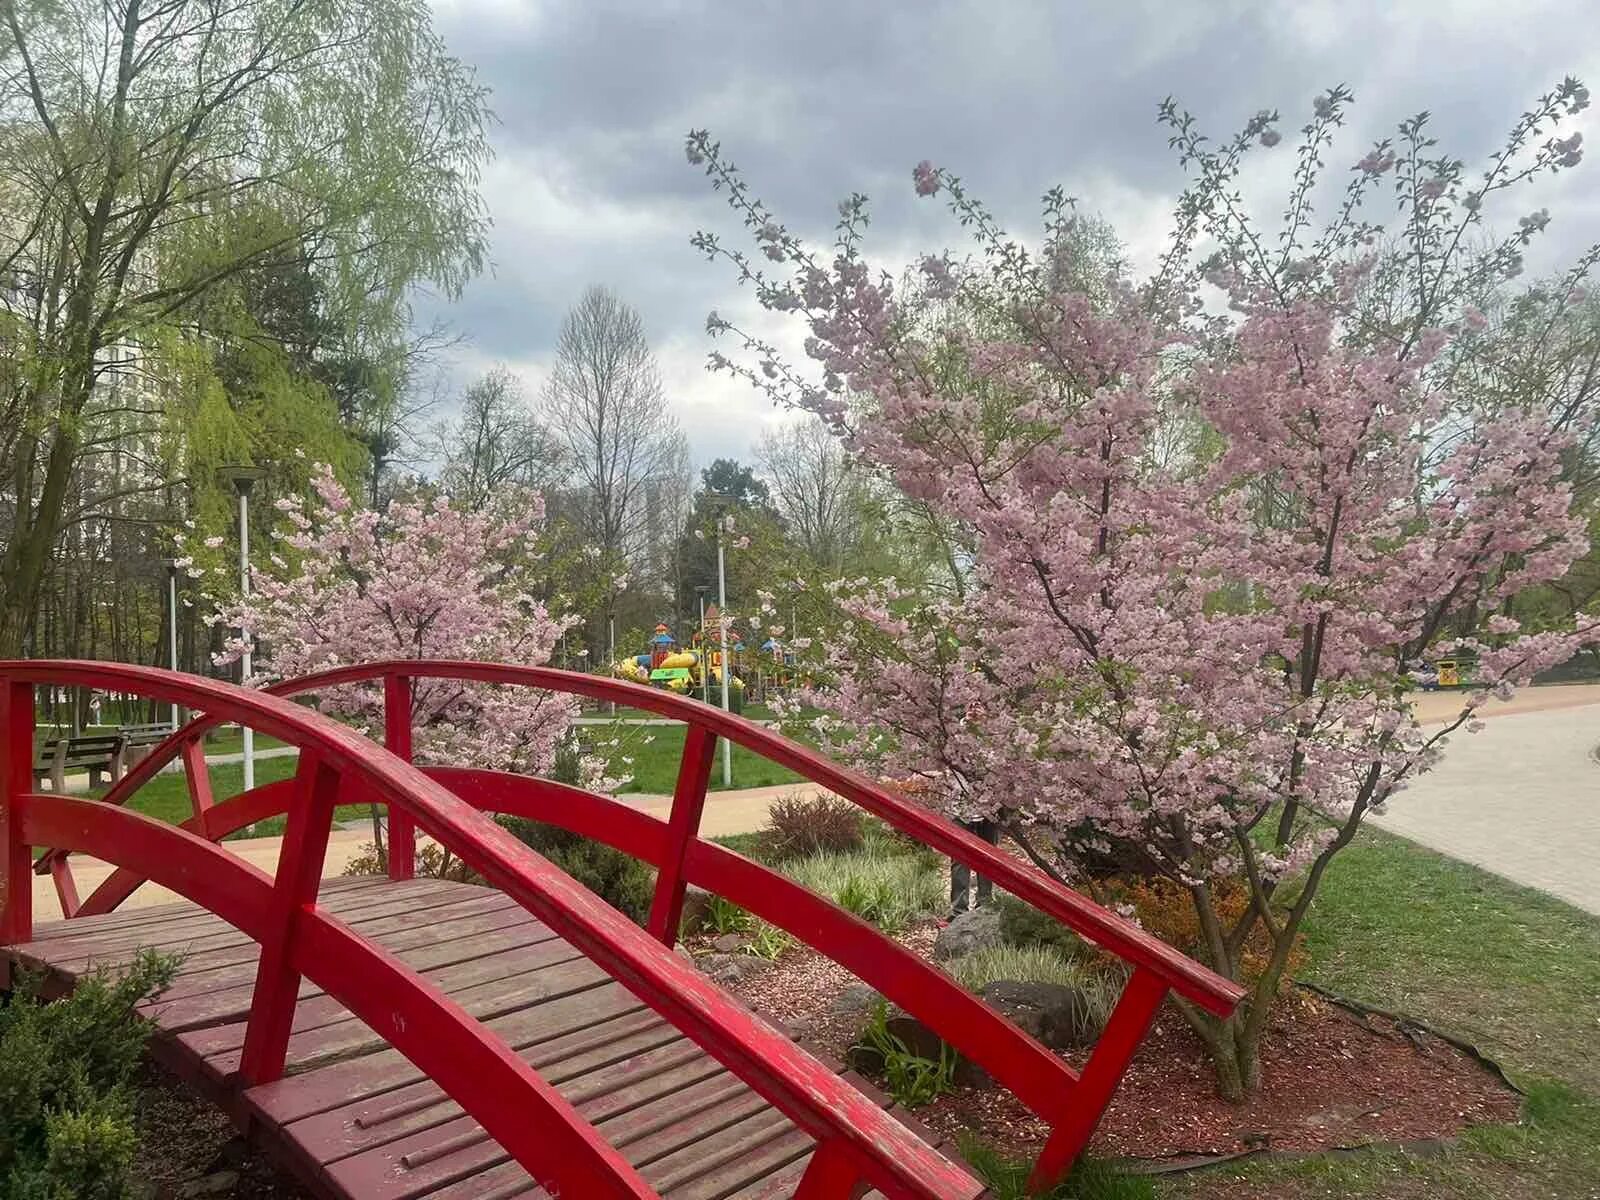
pixel 244 663
pixel 172 629
pixel 243 479
pixel 705 657
pixel 722 645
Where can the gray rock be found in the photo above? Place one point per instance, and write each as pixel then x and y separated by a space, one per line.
pixel 858 997
pixel 729 969
pixel 918 1038
pixel 696 904
pixel 976 929
pixel 728 943
pixel 1057 1015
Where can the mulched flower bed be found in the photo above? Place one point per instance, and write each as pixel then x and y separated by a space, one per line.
pixel 188 1148
pixel 1330 1079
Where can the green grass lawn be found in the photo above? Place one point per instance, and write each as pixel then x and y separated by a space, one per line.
pixel 656 751
pixel 166 797
pixel 1510 969
pixel 755 712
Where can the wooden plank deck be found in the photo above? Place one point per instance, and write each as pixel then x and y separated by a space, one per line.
pixel 352 1118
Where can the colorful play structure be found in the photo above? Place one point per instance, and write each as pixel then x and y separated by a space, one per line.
pixel 695 669
pixel 402 1037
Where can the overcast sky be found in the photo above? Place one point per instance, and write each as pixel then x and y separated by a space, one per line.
pixel 816 100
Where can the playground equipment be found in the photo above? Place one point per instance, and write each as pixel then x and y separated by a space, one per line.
pixel 684 671
pixel 400 1037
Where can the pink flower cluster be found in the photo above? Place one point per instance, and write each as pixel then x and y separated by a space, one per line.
pixel 1157 650
pixel 422 580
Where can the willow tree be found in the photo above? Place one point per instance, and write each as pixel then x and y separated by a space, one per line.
pixel 152 151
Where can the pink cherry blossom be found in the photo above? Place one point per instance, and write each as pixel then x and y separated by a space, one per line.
pixel 421 580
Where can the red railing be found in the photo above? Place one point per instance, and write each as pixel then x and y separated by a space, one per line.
pixel 1070 1102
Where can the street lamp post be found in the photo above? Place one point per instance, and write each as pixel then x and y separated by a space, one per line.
pixel 705 658
pixel 243 478
pixel 172 628
pixel 722 645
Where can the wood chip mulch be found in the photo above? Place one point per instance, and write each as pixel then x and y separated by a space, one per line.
pixel 187 1147
pixel 1330 1079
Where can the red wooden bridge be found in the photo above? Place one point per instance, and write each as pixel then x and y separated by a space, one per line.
pixel 407 1037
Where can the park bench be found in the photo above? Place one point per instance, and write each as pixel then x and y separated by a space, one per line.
pixel 99 755
pixel 139 740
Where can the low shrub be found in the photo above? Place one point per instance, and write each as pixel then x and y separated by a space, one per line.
pixel 433 862
pixel 768 942
pixel 889 890
pixel 619 879
pixel 724 916
pixel 66 1084
pixel 1165 908
pixel 820 823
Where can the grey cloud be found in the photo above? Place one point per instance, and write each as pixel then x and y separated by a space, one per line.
pixel 816 100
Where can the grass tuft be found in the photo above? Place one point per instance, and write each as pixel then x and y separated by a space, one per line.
pixel 1041 964
pixel 889 890
pixel 1090 1180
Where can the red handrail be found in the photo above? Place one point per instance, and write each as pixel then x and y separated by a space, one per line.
pixel 1073 1105
pixel 849 1128
pixel 1188 978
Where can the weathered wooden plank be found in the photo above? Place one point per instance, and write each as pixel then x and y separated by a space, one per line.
pixel 460 918
pixel 219 1035
pixel 732 1154
pixel 350 1082
pixel 454 950
pixel 203 932
pixel 632 1058
pixel 154 914
pixel 345 1038
pixel 508 1181
pixel 381 922
pixel 632 1115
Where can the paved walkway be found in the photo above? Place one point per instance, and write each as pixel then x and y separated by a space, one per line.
pixel 729 812
pixel 1521 798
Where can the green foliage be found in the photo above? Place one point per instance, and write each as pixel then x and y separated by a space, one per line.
pixel 1008 1178
pixel 66 1076
pixel 768 942
pixel 911 1079
pixel 619 879
pixel 724 916
pixel 751 845
pixel 1021 924
pixel 889 890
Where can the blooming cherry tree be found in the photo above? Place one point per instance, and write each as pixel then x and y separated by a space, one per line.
pixel 423 579
pixel 1193 665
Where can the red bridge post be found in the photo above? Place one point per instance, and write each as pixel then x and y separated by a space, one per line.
pixel 831 1175
pixel 688 802
pixel 294 890
pixel 16 780
pixel 1130 1021
pixel 197 778
pixel 397 739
